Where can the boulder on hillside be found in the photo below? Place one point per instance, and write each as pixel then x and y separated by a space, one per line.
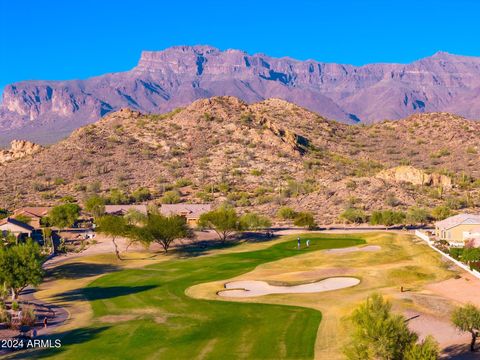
pixel 18 149
pixel 415 176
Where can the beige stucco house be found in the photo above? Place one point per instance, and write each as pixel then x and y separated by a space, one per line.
pixel 457 229
pixel 191 212
pixel 17 228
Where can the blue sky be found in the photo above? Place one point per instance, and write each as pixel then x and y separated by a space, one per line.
pixel 77 39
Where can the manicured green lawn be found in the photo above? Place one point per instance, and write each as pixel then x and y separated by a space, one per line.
pixel 168 324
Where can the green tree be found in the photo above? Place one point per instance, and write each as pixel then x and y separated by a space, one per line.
pixel 441 212
pixel 353 215
pixel 20 266
pixel 95 205
pixel 163 230
pixel 114 227
pixel 305 219
pixel 224 221
pixel 417 215
pixel 286 213
pixel 64 215
pixel 467 318
pixel 379 334
pixel 253 221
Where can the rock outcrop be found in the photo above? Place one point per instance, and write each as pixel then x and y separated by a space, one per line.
pixel 415 176
pixel 18 149
pixel 164 80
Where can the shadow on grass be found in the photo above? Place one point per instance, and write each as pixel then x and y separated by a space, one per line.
pixel 101 293
pixel 461 352
pixel 78 270
pixel 65 339
pixel 198 248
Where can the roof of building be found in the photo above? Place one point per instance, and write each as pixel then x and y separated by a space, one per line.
pixel 191 211
pixel 460 219
pixel 37 211
pixel 16 223
pixel 115 209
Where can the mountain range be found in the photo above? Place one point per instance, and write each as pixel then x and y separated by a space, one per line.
pixel 46 111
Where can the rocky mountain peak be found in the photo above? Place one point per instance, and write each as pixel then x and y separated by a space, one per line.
pixel 175 77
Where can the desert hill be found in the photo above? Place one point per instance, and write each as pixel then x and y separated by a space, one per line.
pixel 259 156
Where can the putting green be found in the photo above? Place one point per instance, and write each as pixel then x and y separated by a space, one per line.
pixel 145 314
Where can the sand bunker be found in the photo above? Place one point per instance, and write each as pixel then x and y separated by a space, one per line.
pixel 249 288
pixel 367 248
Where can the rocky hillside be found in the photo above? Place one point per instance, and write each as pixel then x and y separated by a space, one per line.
pixel 46 111
pixel 259 156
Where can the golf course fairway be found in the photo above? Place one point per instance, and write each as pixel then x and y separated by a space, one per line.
pixel 145 314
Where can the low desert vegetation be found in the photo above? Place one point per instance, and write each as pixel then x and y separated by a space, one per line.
pixel 378 333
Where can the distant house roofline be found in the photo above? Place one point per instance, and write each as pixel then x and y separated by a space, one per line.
pixel 452 221
pixel 113 209
pixel 190 211
pixel 16 222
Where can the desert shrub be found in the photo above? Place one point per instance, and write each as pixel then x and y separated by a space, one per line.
pixel 256 172
pixel 387 217
pixel 353 216
pixel 351 185
pixel 171 197
pixel 305 219
pixel 4 316
pixel 441 212
pixel 183 182
pixel 95 187
pixel 264 199
pixel 141 194
pixel 59 181
pixel 28 315
pixel 204 196
pixel 417 215
pixel 286 213
pixel 117 197
pixel 456 252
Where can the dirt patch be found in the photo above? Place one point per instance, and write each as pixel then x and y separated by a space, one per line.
pixel 367 248
pixel 116 318
pixel 463 290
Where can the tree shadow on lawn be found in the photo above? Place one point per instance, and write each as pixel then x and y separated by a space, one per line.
pixel 66 339
pixel 101 293
pixel 461 352
pixel 78 270
pixel 199 248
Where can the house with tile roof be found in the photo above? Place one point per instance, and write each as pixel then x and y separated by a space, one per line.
pixel 191 212
pixel 457 229
pixel 34 213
